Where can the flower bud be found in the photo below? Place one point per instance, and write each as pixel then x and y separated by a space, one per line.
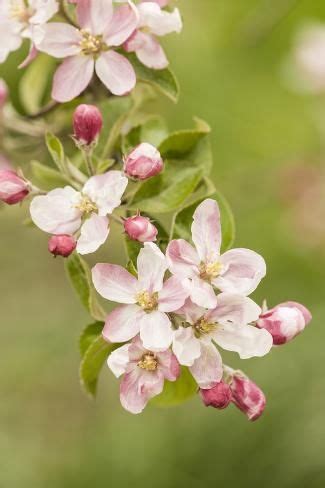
pixel 62 245
pixel 87 124
pixel 247 396
pixel 285 321
pixel 3 92
pixel 143 162
pixel 218 397
pixel 13 188
pixel 140 229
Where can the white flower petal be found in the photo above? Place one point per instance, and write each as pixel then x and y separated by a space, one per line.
pixel 207 369
pixel 106 190
pixel 206 230
pixel 156 331
pixel 118 360
pixel 247 340
pixel 158 21
pixel 94 233
pixel 186 346
pixel 152 265
pixel 115 283
pixel 123 323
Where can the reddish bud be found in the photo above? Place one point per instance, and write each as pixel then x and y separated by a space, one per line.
pixel 247 396
pixel 13 188
pixel 218 397
pixel 3 92
pixel 87 124
pixel 62 245
pixel 143 162
pixel 285 321
pixel 140 229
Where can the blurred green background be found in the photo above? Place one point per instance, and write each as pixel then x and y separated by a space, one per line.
pixel 269 161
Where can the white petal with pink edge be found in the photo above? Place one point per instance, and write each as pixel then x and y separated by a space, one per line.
pixel 151 265
pixel 72 78
pixel 207 369
pixel 123 323
pixel 94 15
pixel 57 39
pixel 138 387
pixel 116 72
pixel 115 283
pixel 236 309
pixel 122 25
pixel 118 360
pixel 94 233
pixel 182 259
pixel 149 51
pixel 248 341
pixel 173 295
pixel 206 230
pixel 156 331
pixel 186 346
pixel 159 22
pixel 202 293
pixel 168 365
pixel 106 190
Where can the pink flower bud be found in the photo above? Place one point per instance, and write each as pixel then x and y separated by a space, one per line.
pixel 247 396
pixel 218 397
pixel 285 321
pixel 140 229
pixel 3 92
pixel 62 245
pixel 13 188
pixel 143 162
pixel 87 124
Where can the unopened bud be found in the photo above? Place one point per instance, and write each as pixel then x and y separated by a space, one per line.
pixel 87 124
pixel 62 245
pixel 285 321
pixel 140 229
pixel 143 162
pixel 3 92
pixel 247 396
pixel 13 188
pixel 218 397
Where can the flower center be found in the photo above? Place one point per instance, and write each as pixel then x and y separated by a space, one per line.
pixel 90 44
pixel 202 327
pixel 147 300
pixel 20 12
pixel 86 205
pixel 148 362
pixel 209 271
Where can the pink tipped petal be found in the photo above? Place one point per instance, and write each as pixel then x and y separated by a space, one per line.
pixel 244 269
pixel 57 39
pixel 182 259
pixel 151 266
pixel 138 387
pixel 122 25
pixel 168 365
pixel 173 295
pixel 207 369
pixel 235 309
pixel 106 190
pixel 94 233
pixel 248 341
pixel 158 21
pixel 305 312
pixel 202 293
pixel 191 312
pixel 118 360
pixel 94 15
pixel 115 283
pixel 72 78
pixel 122 324
pixel 206 231
pixel 156 331
pixel 186 346
pixel 116 72
pixel 149 51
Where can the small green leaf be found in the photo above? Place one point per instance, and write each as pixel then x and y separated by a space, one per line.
pixel 56 150
pixel 88 335
pixel 79 274
pixel 47 177
pixel 132 249
pixel 176 392
pixel 163 79
pixel 152 129
pixel 181 142
pixel 132 269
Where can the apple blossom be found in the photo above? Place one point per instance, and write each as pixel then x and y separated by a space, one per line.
pixel 18 18
pixel 247 396
pixel 87 124
pixel 144 373
pixel 285 321
pixel 62 245
pixel 13 188
pixel 66 210
pixel 146 300
pixel 218 397
pixel 235 271
pixel 153 22
pixel 143 162
pixel 227 325
pixel 90 48
pixel 140 229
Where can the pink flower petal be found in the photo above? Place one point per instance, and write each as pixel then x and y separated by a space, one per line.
pixel 168 365
pixel 106 190
pixel 152 265
pixel 116 72
pixel 150 53
pixel 122 25
pixel 191 312
pixel 182 258
pixel 57 39
pixel 202 293
pixel 207 369
pixel 244 269
pixel 123 323
pixel 248 341
pixel 172 296
pixel 138 387
pixel 206 231
pixel 156 331
pixel 305 312
pixel 186 346
pixel 118 360
pixel 115 283
pixel 158 21
pixel 94 15
pixel 94 233
pixel 72 78
pixel 235 309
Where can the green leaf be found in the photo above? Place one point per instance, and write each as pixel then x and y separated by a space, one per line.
pixel 181 142
pixel 47 177
pixel 34 83
pixel 164 80
pixel 92 362
pixel 176 392
pixel 79 274
pixel 132 250
pixel 56 150
pixel 152 129
pixel 184 218
pixel 88 335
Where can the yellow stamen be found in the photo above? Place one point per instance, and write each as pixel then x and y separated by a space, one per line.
pixel 148 362
pixel 90 44
pixel 20 12
pixel 203 327
pixel 86 205
pixel 209 271
pixel 147 300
